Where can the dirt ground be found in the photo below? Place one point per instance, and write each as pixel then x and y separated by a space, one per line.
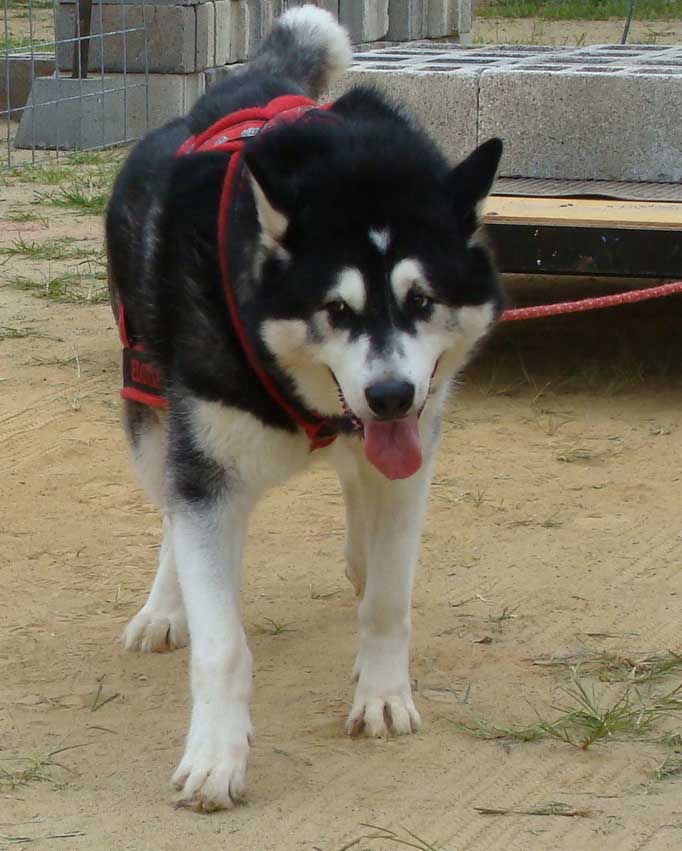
pixel 554 528
pixel 568 33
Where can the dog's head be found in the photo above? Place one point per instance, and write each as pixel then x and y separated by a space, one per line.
pixel 373 286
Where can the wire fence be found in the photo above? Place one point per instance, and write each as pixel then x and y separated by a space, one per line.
pixel 65 83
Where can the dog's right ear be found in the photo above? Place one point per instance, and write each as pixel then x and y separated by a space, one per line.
pixel 272 200
pixel 277 162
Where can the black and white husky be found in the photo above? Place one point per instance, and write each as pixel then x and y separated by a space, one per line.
pixel 349 293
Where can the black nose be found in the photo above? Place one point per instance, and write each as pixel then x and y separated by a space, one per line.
pixel 390 399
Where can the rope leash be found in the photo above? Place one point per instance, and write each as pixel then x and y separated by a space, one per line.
pixel 631 297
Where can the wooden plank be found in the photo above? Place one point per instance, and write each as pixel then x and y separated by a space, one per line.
pixel 545 250
pixel 583 213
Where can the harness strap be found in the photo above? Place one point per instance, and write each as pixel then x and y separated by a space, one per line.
pixel 140 378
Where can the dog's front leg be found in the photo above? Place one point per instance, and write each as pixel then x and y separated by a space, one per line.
pixel 394 513
pixel 208 538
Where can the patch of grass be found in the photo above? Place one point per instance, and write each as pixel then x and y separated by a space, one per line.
pixel 35 769
pixel 72 288
pixel 51 249
pixel 552 522
pixel 585 718
pixel 15 43
pixel 405 837
pixel 50 175
pixel 496 621
pixel 7 333
pixel 573 10
pixel 670 767
pixel 617 667
pixel 79 197
pixel 22 216
pixel 272 627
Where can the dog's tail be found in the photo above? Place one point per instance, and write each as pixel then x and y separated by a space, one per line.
pixel 306 45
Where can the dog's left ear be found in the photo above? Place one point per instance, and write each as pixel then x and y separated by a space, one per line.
pixel 471 181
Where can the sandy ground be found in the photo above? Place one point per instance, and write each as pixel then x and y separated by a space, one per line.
pixel 554 525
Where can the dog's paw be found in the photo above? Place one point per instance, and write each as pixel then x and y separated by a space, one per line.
pixel 382 715
pixel 154 632
pixel 212 773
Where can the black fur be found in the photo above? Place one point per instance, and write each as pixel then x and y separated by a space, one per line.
pixel 334 180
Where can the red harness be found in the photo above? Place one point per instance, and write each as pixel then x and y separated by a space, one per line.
pixel 141 379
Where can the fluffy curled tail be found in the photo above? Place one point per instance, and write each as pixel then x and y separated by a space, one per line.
pixel 306 45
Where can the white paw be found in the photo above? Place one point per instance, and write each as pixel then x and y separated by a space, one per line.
pixel 380 716
pixel 212 773
pixel 382 704
pixel 156 632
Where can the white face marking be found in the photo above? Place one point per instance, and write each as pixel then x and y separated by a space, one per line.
pixel 350 287
pixel 406 275
pixel 380 239
pixel 307 351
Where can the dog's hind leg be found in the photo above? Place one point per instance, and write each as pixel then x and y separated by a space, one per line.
pixel 161 623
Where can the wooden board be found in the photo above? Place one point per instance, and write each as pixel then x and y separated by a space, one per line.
pixel 583 213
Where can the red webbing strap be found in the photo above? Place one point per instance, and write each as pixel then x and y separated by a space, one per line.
pixel 312 428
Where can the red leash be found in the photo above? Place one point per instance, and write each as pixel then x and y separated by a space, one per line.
pixel 542 310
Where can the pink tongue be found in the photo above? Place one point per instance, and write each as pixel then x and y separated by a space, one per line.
pixel 393 446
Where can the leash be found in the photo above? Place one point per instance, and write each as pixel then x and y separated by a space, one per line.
pixel 630 297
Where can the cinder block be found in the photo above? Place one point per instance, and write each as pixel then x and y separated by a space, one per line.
pixel 171 38
pixel 463 19
pixel 16 75
pixel 205 45
pixel 240 30
pixel 365 20
pixel 260 18
pixel 440 21
pixel 75 114
pixel 407 19
pixel 330 5
pixel 444 103
pixel 573 124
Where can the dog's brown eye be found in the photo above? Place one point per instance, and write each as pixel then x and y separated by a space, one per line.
pixel 337 308
pixel 419 301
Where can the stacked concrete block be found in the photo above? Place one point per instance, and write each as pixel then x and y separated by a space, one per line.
pixel 596 113
pixel 365 20
pixel 171 38
pixel 590 114
pixel 407 19
pixel 17 72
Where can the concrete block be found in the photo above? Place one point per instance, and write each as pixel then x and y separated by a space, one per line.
pixel 440 21
pixel 76 114
pixel 240 30
pixel 260 18
pixel 171 38
pixel 330 5
pixel 444 103
pixel 17 71
pixel 205 44
pixel 365 20
pixel 96 3
pixel 223 31
pixel 407 19
pixel 463 20
pixel 583 124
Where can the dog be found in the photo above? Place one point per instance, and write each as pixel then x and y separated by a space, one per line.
pixel 293 283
